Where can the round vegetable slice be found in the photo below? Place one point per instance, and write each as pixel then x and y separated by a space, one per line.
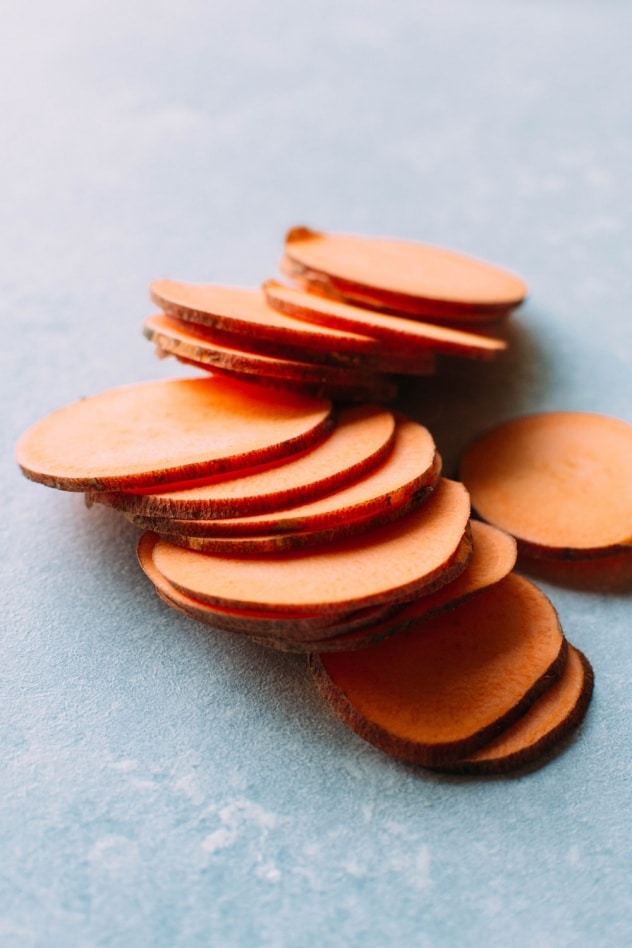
pixel 245 310
pixel 442 689
pixel 154 433
pixel 406 276
pixel 304 630
pixel 389 564
pixel 558 481
pixel 412 467
pixel 174 338
pixel 547 722
pixel 396 332
pixel 362 438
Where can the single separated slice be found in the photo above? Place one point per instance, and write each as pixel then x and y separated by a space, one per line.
pixel 557 481
pixel 404 277
pixel 388 564
pixel 361 439
pixel 153 433
pixel 396 332
pixel 440 690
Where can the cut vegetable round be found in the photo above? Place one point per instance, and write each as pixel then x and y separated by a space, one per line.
pixel 551 719
pixel 444 688
pixel 558 481
pixel 388 564
pixel 395 331
pixel 154 433
pixel 246 311
pixel 362 438
pixel 176 339
pixel 405 276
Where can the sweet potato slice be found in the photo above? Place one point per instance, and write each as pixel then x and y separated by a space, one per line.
pixel 298 349
pixel 407 277
pixel 397 332
pixel 558 481
pixel 246 311
pixel 365 388
pixel 154 433
pixel 411 468
pixel 547 722
pixel 442 689
pixel 362 438
pixel 175 338
pixel 299 539
pixel 306 631
pixel 388 564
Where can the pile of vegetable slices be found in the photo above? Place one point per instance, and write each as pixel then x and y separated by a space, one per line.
pixel 282 501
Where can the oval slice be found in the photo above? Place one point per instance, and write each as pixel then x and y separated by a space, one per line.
pixel 158 432
pixel 411 468
pixel 246 310
pixel 405 275
pixel 362 438
pixel 547 722
pixel 558 481
pixel 442 689
pixel 174 338
pixel 397 332
pixel 388 564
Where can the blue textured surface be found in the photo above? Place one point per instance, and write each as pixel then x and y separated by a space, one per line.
pixel 165 786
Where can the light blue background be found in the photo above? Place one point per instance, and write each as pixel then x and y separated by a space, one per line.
pixel 166 786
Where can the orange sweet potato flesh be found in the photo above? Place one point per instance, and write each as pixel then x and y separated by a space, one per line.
pixel 412 278
pixel 246 311
pixel 389 564
pixel 397 332
pixel 361 439
pixel 280 625
pixel 175 338
pixel 411 468
pixel 283 631
pixel 558 481
pixel 444 688
pixel 547 722
pixel 299 346
pixel 154 433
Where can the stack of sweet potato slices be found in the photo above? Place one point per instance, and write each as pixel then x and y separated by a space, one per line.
pixel 335 344
pixel 281 501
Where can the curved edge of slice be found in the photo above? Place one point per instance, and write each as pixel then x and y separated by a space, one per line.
pixel 408 695
pixel 391 267
pixel 397 333
pixel 147 434
pixel 541 730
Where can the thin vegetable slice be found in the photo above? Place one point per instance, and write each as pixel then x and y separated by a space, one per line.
pixel 412 467
pixel 362 438
pixel 154 433
pixel 444 688
pixel 389 564
pixel 408 277
pixel 299 346
pixel 246 311
pixel 558 481
pixel 368 388
pixel 174 338
pixel 548 722
pixel 397 332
